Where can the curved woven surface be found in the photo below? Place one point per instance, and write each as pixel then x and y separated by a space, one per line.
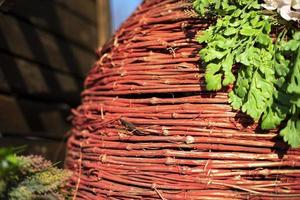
pixel 147 129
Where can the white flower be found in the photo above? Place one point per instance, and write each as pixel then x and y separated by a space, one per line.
pixel 285 12
pixel 284 8
pixel 296 4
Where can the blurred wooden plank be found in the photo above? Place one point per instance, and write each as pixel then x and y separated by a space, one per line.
pixel 35 118
pixel 4 86
pixel 30 79
pixel 85 8
pixel 51 149
pixel 58 20
pixel 104 21
pixel 6 5
pixel 37 45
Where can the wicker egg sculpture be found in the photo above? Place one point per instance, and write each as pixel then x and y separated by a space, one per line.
pixel 148 129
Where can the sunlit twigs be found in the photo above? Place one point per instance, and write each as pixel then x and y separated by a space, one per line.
pixel 148 129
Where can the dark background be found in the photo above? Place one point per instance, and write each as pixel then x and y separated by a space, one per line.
pixel 46 49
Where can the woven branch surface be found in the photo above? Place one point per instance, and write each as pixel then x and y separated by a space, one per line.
pixel 148 129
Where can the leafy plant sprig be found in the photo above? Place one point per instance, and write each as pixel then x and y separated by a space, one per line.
pixel 30 177
pixel 286 103
pixel 267 82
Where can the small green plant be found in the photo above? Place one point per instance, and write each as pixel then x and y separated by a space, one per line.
pixel 266 81
pixel 30 177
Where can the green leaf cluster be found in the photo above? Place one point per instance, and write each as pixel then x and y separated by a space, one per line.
pixel 219 8
pixel 266 75
pixel 41 185
pixel 30 177
pixel 241 37
pixel 286 99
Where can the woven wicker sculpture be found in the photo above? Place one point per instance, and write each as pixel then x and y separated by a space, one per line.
pixel 147 129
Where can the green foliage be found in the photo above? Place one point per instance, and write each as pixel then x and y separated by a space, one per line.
pixel 241 36
pixel 289 91
pixel 32 164
pixel 220 8
pixel 30 177
pixel 8 162
pixel 266 85
pixel 40 184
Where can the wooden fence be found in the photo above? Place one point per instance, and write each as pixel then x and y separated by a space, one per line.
pixel 46 49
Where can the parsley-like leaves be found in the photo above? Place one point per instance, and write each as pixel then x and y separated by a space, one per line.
pixel 267 82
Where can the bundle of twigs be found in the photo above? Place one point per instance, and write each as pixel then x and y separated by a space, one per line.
pixel 148 129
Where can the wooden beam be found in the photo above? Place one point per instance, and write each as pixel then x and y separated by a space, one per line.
pixel 104 21
pixel 23 39
pixel 85 8
pixel 33 118
pixel 54 18
pixel 25 78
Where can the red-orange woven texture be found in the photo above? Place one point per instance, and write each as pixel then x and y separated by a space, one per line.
pixel 148 129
